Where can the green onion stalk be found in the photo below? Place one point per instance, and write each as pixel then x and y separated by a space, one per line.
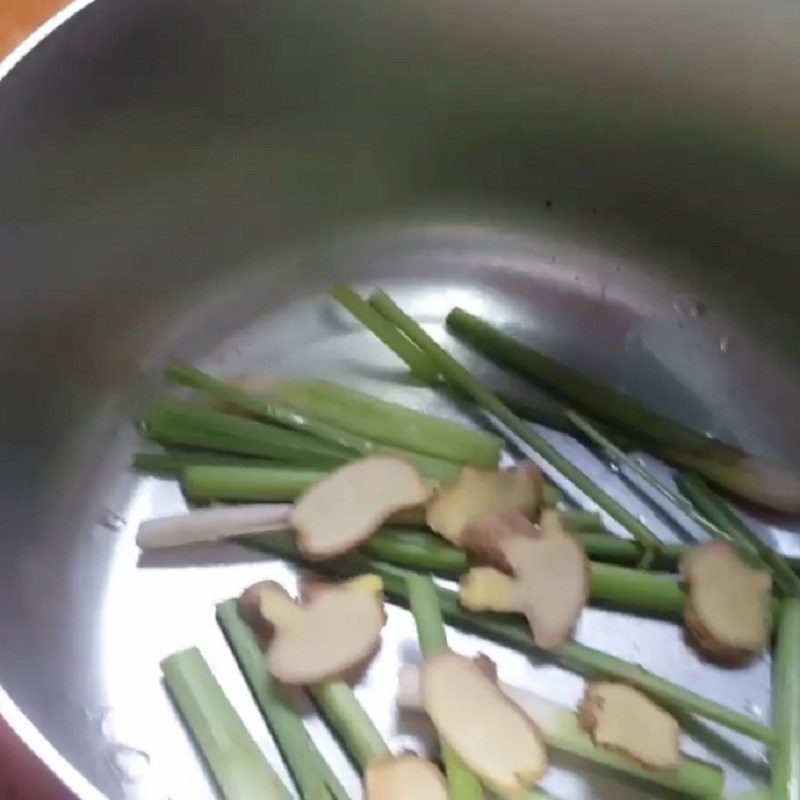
pixel 786 752
pixel 511 631
pixel 239 767
pixel 460 377
pixel 313 777
pixel 424 604
pixel 729 467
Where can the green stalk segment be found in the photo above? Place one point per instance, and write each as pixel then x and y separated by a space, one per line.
pixel 424 604
pixel 721 514
pixel 387 423
pixel 176 423
pixel 582 521
pixel 725 465
pixel 459 376
pixel 633 590
pixel 418 363
pixel 252 484
pixel 786 753
pixel 514 633
pixel 347 718
pixel 238 765
pixel 311 773
pixel 172 464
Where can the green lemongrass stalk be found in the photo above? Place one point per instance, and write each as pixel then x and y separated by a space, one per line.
pixel 721 514
pixel 311 773
pixel 561 729
pixel 386 422
pixel 582 521
pixel 238 765
pixel 248 484
pixel 175 422
pixel 418 363
pixel 514 633
pixel 347 718
pixel 424 370
pixel 459 376
pixel 172 463
pixel 424 604
pixel 786 752
pixel 634 590
pixel 727 466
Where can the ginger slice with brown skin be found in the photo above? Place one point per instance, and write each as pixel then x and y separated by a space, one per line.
pixel 493 737
pixel 727 613
pixel 346 507
pixel 338 628
pixel 477 493
pixel 623 719
pixel 550 582
pixel 404 777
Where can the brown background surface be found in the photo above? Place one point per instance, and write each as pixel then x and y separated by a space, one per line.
pixel 21 776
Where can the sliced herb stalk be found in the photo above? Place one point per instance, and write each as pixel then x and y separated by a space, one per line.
pixel 238 765
pixel 175 423
pixel 347 718
pixel 263 484
pixel 727 466
pixel 311 773
pixel 786 752
pixel 424 604
pixel 385 422
pixel 516 634
pixel 721 515
pixel 460 377
pixel 172 463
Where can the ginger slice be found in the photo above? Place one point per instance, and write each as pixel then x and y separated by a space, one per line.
pixel 489 589
pixel 623 719
pixel 476 493
pixel 346 507
pixel 404 777
pixel 338 628
pixel 728 609
pixel 495 739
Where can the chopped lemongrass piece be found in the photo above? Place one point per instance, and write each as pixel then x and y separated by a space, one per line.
pixel 175 423
pixel 728 612
pixel 212 524
pixel 172 463
pixel 349 505
pixel 348 720
pixel 239 767
pixel 516 634
pixel 381 421
pixel 723 517
pixel 760 481
pixel 352 445
pixel 404 777
pixel 424 605
pixel 456 374
pixel 582 521
pixel 311 773
pixel 418 362
pixel 478 493
pixel 337 629
pixel 561 729
pixel 623 719
pixel 489 733
pixel 248 484
pixel 786 752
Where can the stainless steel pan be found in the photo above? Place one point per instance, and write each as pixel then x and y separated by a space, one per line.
pixel 619 180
